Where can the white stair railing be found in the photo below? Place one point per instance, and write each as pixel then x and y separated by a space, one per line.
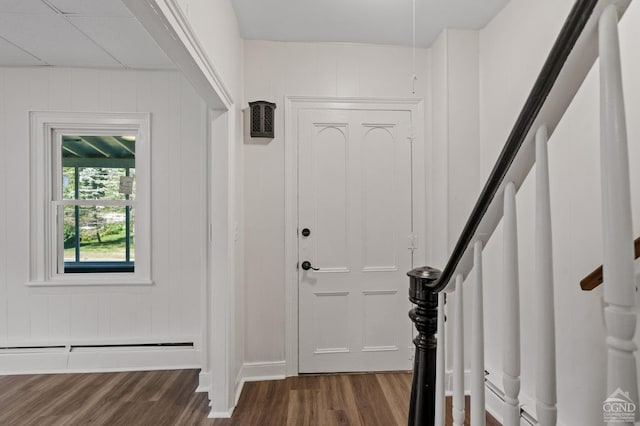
pixel 568 63
pixel 546 343
pixel 478 417
pixel 458 355
pixel 511 320
pixel 618 273
pixel 440 364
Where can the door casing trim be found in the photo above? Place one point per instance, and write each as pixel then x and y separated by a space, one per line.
pixel 293 104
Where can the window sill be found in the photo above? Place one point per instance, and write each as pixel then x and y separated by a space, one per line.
pixel 86 280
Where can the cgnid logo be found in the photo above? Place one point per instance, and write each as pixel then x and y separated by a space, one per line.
pixel 619 408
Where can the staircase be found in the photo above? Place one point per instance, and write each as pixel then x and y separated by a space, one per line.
pixel 589 32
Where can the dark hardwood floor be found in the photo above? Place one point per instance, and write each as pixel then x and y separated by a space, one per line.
pixel 168 398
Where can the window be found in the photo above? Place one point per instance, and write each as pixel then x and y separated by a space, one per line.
pixel 90 201
pixel 94 193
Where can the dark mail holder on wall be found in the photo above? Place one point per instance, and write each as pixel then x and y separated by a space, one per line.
pixel 262 119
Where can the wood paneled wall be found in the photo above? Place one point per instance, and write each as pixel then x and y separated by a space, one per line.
pixel 170 309
pixel 272 71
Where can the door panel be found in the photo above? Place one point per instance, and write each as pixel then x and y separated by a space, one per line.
pixel 330 310
pixel 328 193
pixel 379 230
pixel 354 194
pixel 379 333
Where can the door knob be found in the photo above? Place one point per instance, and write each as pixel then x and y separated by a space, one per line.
pixel 306 265
pixel 306 232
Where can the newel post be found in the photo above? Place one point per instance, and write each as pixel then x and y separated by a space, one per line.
pixel 425 318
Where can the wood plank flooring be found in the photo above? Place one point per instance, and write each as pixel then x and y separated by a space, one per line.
pixel 168 398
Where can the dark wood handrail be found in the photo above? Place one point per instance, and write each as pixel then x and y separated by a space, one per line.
pixel 569 34
pixel 594 279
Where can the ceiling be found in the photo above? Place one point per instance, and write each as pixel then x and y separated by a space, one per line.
pixel 104 33
pixel 360 21
pixel 75 33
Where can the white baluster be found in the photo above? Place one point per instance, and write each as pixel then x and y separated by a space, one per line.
pixel 546 399
pixel 458 356
pixel 618 278
pixel 440 363
pixel 478 417
pixel 511 338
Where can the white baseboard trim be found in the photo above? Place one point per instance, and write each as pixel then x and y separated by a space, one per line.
pixel 448 382
pixel 220 414
pixel 259 371
pixel 493 405
pixel 98 360
pixel 239 386
pixel 204 382
pixel 252 372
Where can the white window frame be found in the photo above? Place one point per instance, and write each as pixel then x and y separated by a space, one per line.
pixel 43 241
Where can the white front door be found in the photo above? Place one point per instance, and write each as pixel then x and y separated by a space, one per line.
pixel 355 227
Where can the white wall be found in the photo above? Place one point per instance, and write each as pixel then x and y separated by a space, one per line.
pixel 464 127
pixel 273 70
pixel 170 309
pixel 454 166
pixel 438 157
pixel 214 24
pixel 455 129
pixel 512 49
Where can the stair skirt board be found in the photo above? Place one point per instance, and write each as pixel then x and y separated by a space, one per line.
pixel 494 397
pixel 96 358
pixel 495 400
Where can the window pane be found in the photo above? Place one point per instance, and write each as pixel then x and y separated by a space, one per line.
pixel 102 231
pixel 132 234
pixel 69 233
pixel 98 167
pixel 98 183
pixel 68 183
